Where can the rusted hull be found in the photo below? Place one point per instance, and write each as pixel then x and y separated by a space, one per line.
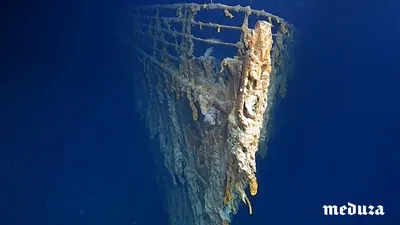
pixel 208 118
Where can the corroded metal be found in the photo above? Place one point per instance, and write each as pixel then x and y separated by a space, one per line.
pixel 209 118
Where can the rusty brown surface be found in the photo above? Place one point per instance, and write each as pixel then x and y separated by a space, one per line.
pixel 207 118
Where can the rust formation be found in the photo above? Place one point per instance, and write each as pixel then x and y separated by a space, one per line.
pixel 208 118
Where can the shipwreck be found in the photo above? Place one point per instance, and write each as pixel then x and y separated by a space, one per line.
pixel 209 116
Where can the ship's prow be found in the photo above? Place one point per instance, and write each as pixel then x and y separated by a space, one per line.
pixel 210 119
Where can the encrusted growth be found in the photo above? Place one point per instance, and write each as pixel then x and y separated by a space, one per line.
pixel 208 139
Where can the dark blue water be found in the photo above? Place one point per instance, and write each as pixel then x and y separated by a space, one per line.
pixel 73 150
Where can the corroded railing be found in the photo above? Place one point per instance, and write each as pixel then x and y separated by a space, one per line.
pixel 152 27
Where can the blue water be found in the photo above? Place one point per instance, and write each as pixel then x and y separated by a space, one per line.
pixel 73 151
